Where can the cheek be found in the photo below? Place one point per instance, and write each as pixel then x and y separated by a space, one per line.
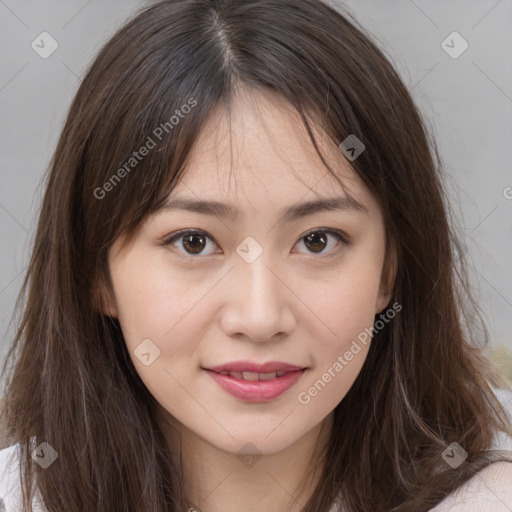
pixel 154 304
pixel 345 313
pixel 340 348
pixel 339 353
pixel 345 306
pixel 156 314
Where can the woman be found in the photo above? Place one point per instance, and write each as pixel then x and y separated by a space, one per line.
pixel 302 340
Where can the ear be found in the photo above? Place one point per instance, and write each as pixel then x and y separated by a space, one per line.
pixel 388 277
pixel 104 301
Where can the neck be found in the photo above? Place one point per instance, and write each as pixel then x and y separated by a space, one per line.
pixel 215 480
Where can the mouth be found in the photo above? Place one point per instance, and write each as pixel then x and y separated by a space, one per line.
pixel 244 381
pixel 253 376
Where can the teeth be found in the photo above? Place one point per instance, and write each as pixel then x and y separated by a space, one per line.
pixel 249 376
pixel 253 376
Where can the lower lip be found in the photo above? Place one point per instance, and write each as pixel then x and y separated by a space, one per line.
pixel 256 390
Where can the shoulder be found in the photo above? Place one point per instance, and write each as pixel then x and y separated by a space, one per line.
pixel 490 490
pixel 10 490
pixel 10 485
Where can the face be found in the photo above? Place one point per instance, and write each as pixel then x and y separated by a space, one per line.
pixel 253 284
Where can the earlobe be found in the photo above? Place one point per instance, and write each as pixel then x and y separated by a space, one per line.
pixel 104 302
pixel 108 308
pixel 384 300
pixel 388 279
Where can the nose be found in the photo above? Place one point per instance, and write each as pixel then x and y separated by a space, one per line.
pixel 258 302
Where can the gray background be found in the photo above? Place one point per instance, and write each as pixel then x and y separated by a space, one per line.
pixel 467 101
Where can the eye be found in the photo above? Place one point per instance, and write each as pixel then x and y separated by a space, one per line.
pixel 193 241
pixel 318 239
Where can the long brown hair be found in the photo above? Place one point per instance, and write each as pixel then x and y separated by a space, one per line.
pixel 425 383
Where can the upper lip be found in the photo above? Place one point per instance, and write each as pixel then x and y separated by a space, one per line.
pixel 248 366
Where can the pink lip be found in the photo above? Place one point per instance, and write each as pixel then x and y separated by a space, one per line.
pixel 259 390
pixel 248 366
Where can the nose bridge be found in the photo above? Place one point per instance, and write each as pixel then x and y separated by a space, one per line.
pixel 252 266
pixel 259 284
pixel 258 306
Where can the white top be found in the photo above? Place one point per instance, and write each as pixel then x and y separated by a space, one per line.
pixel 490 490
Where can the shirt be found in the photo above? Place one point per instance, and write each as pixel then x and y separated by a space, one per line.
pixel 490 490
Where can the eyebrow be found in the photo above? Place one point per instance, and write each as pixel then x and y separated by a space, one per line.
pixel 288 214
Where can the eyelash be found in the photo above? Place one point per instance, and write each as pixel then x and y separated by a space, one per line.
pixel 179 234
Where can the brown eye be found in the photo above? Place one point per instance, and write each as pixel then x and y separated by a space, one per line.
pixel 192 242
pixel 317 241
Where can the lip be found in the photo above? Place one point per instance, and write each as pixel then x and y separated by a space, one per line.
pixel 259 390
pixel 248 366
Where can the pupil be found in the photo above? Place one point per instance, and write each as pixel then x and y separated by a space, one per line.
pixel 315 238
pixel 196 248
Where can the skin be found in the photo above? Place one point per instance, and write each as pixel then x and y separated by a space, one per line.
pixel 290 304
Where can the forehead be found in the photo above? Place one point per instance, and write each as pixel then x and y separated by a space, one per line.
pixel 260 149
